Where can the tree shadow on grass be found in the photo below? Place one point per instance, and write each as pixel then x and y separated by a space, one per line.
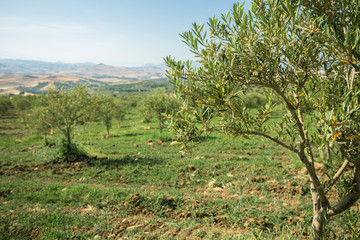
pixel 123 126
pixel 133 134
pixel 126 160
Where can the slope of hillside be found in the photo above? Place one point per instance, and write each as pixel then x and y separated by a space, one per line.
pixel 35 84
pixel 89 70
pixel 27 76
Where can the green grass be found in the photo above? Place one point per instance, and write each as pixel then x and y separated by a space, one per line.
pixel 131 187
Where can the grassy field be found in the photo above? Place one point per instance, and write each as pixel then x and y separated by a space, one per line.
pixel 136 185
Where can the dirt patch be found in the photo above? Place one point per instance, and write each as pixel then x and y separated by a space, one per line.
pixel 20 168
pixel 5 193
pixel 5 128
pixel 135 204
pixel 289 187
pixel 11 128
pixel 147 228
pixel 27 149
pixel 35 232
pixel 88 209
pixel 12 134
pixel 221 218
pixel 126 224
pixel 114 153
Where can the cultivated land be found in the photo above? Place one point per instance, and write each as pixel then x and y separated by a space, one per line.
pixel 35 77
pixel 136 185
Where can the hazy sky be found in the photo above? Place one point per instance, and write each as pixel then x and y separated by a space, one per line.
pixel 114 32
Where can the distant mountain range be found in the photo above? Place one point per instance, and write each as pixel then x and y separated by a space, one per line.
pixel 88 70
pixel 29 76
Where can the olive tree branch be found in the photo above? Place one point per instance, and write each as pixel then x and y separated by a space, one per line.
pixel 279 142
pixel 351 197
pixel 338 174
pixel 272 139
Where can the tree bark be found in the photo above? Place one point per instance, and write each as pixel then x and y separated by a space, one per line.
pixel 68 145
pixel 319 215
pixel 107 130
pixel 352 197
pixel 319 199
pixel 68 138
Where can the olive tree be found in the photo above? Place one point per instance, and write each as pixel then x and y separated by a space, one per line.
pixel 63 109
pixel 105 109
pixel 120 113
pixel 4 104
pixel 39 122
pixel 308 56
pixel 144 110
pixel 160 103
pixel 22 104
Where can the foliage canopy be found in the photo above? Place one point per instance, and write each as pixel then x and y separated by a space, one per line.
pixel 62 109
pixel 305 53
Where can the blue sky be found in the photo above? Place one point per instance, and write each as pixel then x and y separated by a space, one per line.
pixel 115 32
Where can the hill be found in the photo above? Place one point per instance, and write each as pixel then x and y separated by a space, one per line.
pixel 89 70
pixel 31 76
pixel 36 84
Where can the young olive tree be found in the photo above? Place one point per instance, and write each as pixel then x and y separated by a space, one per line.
pixel 22 104
pixel 39 123
pixel 160 103
pixel 308 56
pixel 4 104
pixel 63 109
pixel 120 113
pixel 145 110
pixel 105 109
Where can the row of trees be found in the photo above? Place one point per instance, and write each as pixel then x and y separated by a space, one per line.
pixel 305 54
pixel 63 109
pixel 22 104
pixel 159 103
pixel 4 104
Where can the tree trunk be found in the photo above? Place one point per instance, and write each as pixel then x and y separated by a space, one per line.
pixel 45 140
pixel 108 126
pixel 68 145
pixel 108 131
pixel 68 139
pixel 160 126
pixel 24 119
pixel 319 215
